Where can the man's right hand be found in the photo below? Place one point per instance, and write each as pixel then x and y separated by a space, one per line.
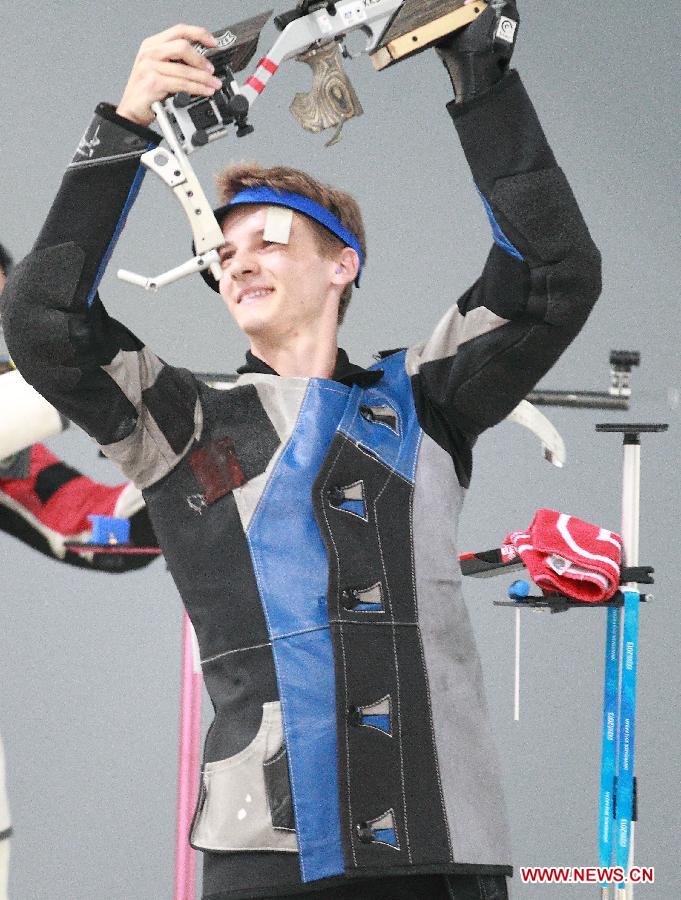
pixel 166 64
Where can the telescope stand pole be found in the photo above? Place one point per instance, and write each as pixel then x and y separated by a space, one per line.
pixel 631 502
pixel 189 762
pixel 626 793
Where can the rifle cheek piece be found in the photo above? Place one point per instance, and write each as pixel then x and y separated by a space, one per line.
pixel 295 202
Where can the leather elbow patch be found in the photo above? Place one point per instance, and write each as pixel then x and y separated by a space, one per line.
pixel 40 344
pixel 50 276
pixel 540 208
pixel 42 286
pixel 572 288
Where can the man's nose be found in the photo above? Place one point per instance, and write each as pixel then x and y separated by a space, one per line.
pixel 244 263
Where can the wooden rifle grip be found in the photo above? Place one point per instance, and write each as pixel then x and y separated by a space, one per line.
pixel 332 99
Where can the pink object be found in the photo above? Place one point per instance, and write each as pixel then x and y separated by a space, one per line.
pixel 566 554
pixel 189 763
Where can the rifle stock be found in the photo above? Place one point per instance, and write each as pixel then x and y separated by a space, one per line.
pixel 421 23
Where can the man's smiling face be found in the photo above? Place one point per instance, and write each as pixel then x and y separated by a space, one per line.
pixel 275 291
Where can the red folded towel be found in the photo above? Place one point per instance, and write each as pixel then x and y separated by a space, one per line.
pixel 565 554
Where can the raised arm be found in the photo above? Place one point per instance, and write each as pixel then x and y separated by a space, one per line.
pixel 142 412
pixel 542 275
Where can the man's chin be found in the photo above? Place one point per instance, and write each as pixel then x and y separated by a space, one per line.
pixel 255 324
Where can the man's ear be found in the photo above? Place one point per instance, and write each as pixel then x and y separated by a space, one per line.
pixel 345 267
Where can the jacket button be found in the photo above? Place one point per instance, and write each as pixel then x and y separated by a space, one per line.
pixel 354 715
pixel 365 833
pixel 335 496
pixel 349 598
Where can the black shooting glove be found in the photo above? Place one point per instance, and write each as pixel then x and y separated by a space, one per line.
pixel 477 56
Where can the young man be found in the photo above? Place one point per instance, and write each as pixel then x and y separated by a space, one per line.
pixel 309 514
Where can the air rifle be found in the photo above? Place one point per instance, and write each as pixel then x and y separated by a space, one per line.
pixel 315 33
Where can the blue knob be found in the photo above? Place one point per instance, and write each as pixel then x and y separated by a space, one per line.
pixel 109 530
pixel 519 588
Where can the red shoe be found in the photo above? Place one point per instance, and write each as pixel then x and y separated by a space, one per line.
pixel 51 506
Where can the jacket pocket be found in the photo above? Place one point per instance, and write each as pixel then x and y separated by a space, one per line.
pixel 245 801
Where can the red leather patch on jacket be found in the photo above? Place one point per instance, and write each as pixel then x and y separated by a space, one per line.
pixel 217 469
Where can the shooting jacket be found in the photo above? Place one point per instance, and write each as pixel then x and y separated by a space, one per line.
pixel 311 525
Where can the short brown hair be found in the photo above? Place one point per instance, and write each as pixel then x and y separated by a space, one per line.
pixel 239 176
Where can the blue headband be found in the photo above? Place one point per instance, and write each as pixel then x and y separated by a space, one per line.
pixel 300 204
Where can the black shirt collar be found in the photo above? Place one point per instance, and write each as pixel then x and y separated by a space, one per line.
pixel 345 372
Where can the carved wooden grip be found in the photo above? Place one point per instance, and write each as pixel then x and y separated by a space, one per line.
pixel 332 99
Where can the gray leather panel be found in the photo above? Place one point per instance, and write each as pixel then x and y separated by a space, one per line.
pixel 134 371
pixel 467 756
pixel 145 456
pixel 452 330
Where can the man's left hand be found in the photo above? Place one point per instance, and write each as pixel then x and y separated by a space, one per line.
pixel 478 56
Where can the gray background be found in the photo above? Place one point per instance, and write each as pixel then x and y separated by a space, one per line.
pixel 89 664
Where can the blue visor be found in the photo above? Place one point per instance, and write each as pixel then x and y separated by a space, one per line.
pixel 300 204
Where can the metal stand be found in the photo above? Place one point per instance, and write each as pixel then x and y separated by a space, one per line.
pixel 621 659
pixel 189 763
pixel 618 797
pixel 617 397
